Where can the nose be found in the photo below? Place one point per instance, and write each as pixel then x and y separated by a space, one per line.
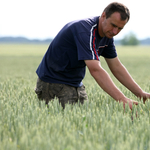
pixel 115 30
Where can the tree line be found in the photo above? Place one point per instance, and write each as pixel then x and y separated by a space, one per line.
pixel 131 39
pixel 128 39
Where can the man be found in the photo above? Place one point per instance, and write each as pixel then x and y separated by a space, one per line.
pixel 79 44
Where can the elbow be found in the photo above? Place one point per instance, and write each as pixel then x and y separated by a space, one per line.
pixel 96 72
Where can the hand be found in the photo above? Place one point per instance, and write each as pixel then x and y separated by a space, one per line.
pixel 144 95
pixel 129 102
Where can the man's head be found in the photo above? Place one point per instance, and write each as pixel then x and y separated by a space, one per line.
pixel 117 7
pixel 113 19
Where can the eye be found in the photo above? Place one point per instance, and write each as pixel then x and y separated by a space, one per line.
pixel 120 28
pixel 113 25
pixel 116 26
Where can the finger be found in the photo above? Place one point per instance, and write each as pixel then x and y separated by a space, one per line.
pixel 135 102
pixel 124 106
pixel 131 103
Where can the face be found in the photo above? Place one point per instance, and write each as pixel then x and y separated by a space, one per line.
pixel 111 26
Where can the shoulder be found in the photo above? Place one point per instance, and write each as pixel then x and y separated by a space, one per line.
pixel 83 25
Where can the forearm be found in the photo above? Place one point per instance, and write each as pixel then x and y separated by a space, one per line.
pixel 125 78
pixel 105 82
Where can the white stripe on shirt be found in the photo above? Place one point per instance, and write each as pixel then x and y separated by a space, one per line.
pixel 91 40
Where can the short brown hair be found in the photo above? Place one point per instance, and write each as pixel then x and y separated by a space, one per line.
pixel 117 7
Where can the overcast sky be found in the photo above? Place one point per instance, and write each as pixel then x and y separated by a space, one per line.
pixel 44 18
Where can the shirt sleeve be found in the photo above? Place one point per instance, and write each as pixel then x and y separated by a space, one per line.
pixel 86 48
pixel 109 50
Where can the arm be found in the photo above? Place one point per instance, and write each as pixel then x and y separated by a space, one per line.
pixel 121 73
pixel 105 82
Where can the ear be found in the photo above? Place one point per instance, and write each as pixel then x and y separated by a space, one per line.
pixel 103 15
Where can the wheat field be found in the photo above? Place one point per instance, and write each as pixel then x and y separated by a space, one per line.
pixel 99 124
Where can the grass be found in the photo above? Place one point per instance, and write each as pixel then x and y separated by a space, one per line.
pixel 101 123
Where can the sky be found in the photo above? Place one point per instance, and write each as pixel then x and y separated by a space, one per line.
pixel 42 19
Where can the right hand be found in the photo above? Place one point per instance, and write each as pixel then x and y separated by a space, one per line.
pixel 129 102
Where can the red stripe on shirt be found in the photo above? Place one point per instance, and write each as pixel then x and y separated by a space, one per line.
pixel 94 43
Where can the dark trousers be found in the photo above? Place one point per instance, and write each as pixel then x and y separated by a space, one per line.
pixel 65 93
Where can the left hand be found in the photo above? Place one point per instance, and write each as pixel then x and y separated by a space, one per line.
pixel 144 96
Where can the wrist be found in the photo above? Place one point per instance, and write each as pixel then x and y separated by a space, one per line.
pixel 139 93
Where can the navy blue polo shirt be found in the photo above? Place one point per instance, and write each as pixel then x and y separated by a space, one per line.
pixel 77 41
